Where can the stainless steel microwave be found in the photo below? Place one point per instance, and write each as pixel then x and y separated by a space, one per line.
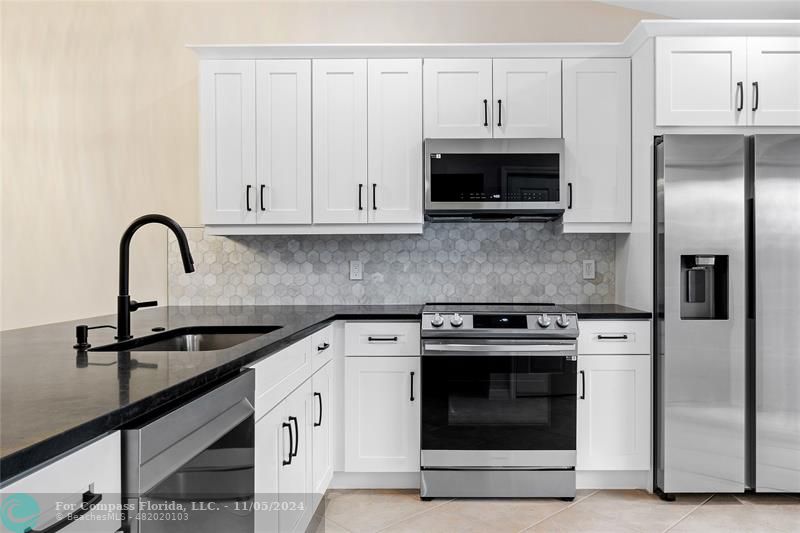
pixel 494 179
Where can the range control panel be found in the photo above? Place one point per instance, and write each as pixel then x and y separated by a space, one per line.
pixel 533 323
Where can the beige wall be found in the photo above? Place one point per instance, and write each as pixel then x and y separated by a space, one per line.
pixel 99 120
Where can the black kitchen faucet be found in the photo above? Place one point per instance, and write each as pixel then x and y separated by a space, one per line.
pixel 125 306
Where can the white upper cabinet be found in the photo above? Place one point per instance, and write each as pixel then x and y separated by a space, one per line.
pixel 340 141
pixel 228 141
pixel 597 141
pixel 394 140
pixel 457 98
pixel 283 148
pixel 700 81
pixel 773 75
pixel 527 98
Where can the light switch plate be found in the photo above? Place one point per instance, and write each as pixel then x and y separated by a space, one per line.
pixel 588 269
pixel 356 270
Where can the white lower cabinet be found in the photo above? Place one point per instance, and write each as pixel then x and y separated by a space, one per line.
pixel 613 412
pixel 92 473
pixel 382 414
pixel 283 463
pixel 322 425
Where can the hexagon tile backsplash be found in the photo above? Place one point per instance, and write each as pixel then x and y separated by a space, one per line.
pixel 486 262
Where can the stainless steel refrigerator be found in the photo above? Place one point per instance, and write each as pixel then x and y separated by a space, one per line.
pixel 727 333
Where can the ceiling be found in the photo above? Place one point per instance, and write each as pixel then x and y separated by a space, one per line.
pixel 715 9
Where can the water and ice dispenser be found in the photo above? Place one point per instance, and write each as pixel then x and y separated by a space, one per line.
pixel 704 287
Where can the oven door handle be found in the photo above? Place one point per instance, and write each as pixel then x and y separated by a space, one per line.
pixel 511 349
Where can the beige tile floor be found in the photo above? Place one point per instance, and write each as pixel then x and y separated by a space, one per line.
pixel 396 511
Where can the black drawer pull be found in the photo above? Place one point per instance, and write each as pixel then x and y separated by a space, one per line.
pixel 374 201
pixel 382 339
pixel 291 443
pixel 412 386
pixel 319 421
pixel 755 95
pixel 247 195
pixel 322 347
pixel 296 434
pixel 583 385
pixel 740 95
pixel 262 197
pixel 485 112
pixel 360 204
pixel 88 500
pixel 612 337
pixel 569 186
pixel 499 113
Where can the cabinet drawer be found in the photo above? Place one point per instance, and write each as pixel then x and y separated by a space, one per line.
pixel 381 338
pixel 96 467
pixel 322 348
pixel 614 337
pixel 281 373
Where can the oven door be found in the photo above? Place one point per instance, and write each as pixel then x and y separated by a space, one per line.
pixel 498 403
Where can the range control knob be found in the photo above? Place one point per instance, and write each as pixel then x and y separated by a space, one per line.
pixel 563 321
pixel 437 320
pixel 456 320
pixel 544 321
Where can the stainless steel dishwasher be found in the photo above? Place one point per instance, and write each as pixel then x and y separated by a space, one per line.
pixel 192 469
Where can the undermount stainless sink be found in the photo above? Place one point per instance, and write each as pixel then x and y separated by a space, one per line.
pixel 190 339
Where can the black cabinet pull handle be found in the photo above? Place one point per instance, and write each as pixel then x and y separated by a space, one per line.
pixel 291 443
pixel 569 203
pixel 740 95
pixel 322 347
pixel 88 500
pixel 612 337
pixel 262 197
pixel 583 385
pixel 382 339
pixel 374 204
pixel 247 196
pixel 319 421
pixel 360 205
pixel 412 386
pixel 499 113
pixel 296 434
pixel 485 112
pixel 755 95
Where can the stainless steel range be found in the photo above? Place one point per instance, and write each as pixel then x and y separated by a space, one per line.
pixel 499 400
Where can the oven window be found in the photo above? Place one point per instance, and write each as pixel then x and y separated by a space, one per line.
pixel 495 178
pixel 498 403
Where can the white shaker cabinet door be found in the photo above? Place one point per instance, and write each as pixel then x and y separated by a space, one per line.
pixel 283 126
pixel 323 423
pixel 700 81
pixel 395 140
pixel 382 416
pixel 228 141
pixel 773 72
pixel 458 98
pixel 613 412
pixel 340 140
pixel 597 140
pixel 527 98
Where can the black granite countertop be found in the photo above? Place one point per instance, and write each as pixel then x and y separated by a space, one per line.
pixel 52 399
pixel 609 312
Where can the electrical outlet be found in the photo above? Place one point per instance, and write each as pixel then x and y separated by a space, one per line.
pixel 588 269
pixel 356 270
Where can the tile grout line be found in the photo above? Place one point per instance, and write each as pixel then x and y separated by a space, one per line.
pixel 334 522
pixel 414 515
pixel 695 508
pixel 572 504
